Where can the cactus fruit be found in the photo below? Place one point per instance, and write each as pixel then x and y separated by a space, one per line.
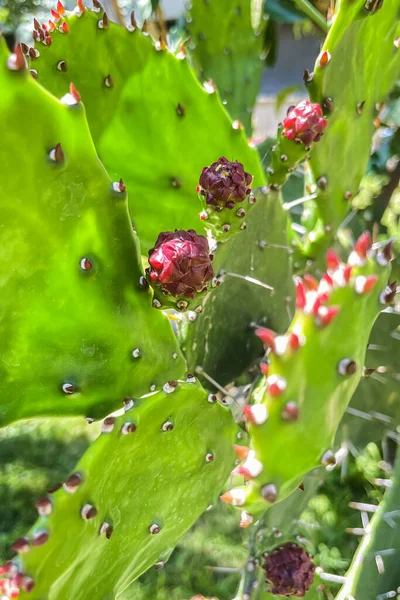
pixel 180 269
pixel 157 142
pixel 80 268
pixel 301 129
pixel 289 570
pixel 311 376
pixel 225 192
pixel 176 444
pixel 226 45
pixel 349 79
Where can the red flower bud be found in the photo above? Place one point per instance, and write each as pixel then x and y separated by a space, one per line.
pixel 225 183
pixel 304 123
pixel 289 570
pixel 180 263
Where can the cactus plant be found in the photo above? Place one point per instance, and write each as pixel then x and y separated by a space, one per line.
pixel 82 333
pixel 226 45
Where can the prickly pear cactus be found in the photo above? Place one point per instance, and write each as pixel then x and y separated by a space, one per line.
pixel 256 288
pixel 76 315
pixel 358 65
pixel 142 483
pixel 226 45
pixel 158 142
pixel 312 373
pixel 374 571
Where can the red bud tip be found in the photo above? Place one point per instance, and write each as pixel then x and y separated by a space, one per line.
pixel 256 414
pixel 267 336
pixel 198 188
pixel 332 260
pixel 264 368
pixel 363 285
pixel 236 497
pixel 326 314
pixel 310 283
pixel 300 294
pixel 347 273
pixel 55 15
pixel 242 452
pixel 81 6
pixel 36 24
pixel 64 27
pixel 60 8
pixel 320 300
pixel 294 341
pixel 363 244
pixel 327 279
pixel 74 92
pixel 324 59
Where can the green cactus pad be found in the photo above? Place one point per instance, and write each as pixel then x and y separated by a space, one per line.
pixel 226 46
pixel 374 572
pixel 313 372
pixel 358 65
pixel 221 339
pixel 152 123
pixel 138 488
pixel 75 321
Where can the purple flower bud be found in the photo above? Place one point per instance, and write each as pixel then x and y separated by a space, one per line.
pixel 304 123
pixel 224 183
pixel 180 263
pixel 289 570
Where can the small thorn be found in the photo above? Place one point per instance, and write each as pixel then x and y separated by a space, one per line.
pixel 86 264
pixel 108 424
pixel 264 368
pixel 307 76
pixel 159 565
pixel 68 388
pixel 385 255
pixel 360 107
pixel 167 426
pixel 106 529
pixel 389 293
pixel 363 285
pixel 209 457
pixel 40 538
pixel 72 483
pixel 269 492
pixel 104 22
pixel 276 385
pixel 347 367
pixel 324 59
pixel 290 412
pixel 109 81
pixel 301 487
pixel 154 529
pixel 267 336
pixel 170 387
pixel 62 66
pixel 57 154
pixel 128 428
pixel 44 506
pixel 20 545
pixel 256 414
pixel 300 294
pixel 88 512
pixel 133 20
pixel 55 15
pixel 363 244
pixel 347 273
pixel 328 459
pixel 36 24
pixel 326 314
pixel 310 283
pixel 27 584
pixel 236 497
pixel 322 182
pixel 332 260
pixel 60 8
pixel 97 7
pixel 294 341
pixel 245 519
pixel 242 452
pixel 17 60
pixel 64 27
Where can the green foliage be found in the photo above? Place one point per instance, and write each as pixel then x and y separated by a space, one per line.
pixel 161 171
pixel 226 44
pixel 73 310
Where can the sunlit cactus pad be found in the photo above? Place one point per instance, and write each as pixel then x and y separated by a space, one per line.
pixel 75 315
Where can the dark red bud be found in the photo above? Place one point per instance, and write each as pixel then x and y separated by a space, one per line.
pixel 304 123
pixel 180 263
pixel 289 570
pixel 225 183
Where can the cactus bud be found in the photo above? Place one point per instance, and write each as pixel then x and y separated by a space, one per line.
pixel 304 123
pixel 221 187
pixel 289 570
pixel 180 267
